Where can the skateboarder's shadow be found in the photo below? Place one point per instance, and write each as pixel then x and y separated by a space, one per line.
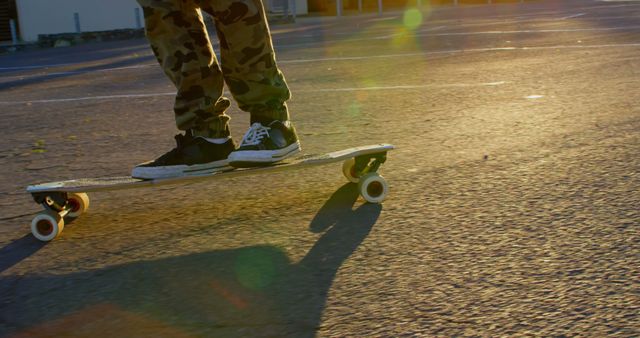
pixel 250 291
pixel 18 250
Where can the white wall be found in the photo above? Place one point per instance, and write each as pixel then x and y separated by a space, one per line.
pixel 301 5
pixel 56 16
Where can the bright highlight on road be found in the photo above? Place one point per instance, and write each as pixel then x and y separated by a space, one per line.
pixel 412 18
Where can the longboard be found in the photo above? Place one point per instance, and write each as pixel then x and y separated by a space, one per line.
pixel 68 199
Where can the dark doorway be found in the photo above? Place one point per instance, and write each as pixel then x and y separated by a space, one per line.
pixel 7 12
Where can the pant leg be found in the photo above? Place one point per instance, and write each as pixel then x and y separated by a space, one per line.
pixel 248 59
pixel 180 42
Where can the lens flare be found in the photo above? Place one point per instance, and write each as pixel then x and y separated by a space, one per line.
pixel 354 109
pixel 412 18
pixel 255 269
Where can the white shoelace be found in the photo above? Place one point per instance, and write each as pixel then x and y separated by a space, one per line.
pixel 255 135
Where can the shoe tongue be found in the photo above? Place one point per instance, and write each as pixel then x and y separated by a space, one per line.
pixel 183 139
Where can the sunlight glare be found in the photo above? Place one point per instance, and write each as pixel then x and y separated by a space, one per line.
pixel 412 18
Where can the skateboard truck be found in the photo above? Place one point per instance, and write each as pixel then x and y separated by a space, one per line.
pixel 56 201
pixel 367 164
pixel 363 170
pixel 58 205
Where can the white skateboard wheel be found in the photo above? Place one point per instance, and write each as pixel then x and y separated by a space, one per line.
pixel 78 203
pixel 373 187
pixel 348 170
pixel 47 225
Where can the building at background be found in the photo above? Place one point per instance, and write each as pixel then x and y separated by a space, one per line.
pixel 36 17
pixel 32 18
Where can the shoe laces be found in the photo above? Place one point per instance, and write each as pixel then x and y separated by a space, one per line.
pixel 255 135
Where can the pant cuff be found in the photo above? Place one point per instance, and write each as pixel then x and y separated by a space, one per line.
pixel 266 116
pixel 215 127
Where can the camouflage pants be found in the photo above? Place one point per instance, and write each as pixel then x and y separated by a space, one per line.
pixel 180 42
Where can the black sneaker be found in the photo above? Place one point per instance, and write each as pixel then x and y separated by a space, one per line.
pixel 192 156
pixel 262 145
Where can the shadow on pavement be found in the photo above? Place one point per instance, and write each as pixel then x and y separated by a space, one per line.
pixel 18 250
pixel 338 207
pixel 89 52
pixel 29 80
pixel 249 291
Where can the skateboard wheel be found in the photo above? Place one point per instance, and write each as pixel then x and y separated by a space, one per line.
pixel 47 225
pixel 373 187
pixel 78 203
pixel 349 170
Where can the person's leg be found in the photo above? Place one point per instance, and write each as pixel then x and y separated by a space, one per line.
pixel 248 59
pixel 252 75
pixel 180 42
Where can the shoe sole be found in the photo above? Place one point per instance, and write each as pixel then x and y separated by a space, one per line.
pixel 258 158
pixel 149 173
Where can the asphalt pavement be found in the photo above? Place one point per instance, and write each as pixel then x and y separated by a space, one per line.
pixel 514 206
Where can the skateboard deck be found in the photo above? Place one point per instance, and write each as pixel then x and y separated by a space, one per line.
pixel 68 199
